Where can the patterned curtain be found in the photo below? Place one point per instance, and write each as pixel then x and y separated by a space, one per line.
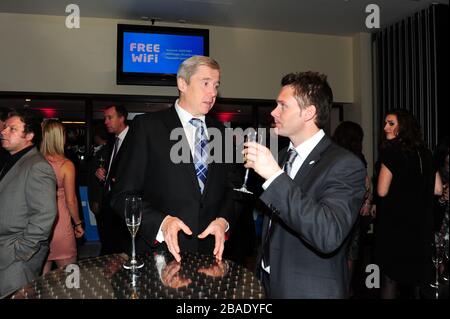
pixel 411 71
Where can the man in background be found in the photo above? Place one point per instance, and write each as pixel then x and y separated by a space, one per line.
pixel 113 232
pixel 27 203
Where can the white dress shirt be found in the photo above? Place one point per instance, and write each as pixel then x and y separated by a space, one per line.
pixel 189 130
pixel 303 150
pixel 121 137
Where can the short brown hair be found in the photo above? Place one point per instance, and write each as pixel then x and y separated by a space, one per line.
pixel 312 88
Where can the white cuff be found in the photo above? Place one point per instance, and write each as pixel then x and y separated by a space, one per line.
pixel 228 224
pixel 160 236
pixel 271 179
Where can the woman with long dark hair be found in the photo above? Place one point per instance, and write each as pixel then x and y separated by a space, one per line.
pixel 406 183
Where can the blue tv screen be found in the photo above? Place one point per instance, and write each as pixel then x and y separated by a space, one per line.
pixel 149 55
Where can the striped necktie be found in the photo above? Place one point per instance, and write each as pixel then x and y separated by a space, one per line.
pixel 200 152
pixel 291 155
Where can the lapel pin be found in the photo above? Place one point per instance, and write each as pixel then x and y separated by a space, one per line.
pixel 312 162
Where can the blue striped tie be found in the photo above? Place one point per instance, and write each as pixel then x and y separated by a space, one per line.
pixel 200 152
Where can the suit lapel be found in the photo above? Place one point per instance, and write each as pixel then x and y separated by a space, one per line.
pixel 312 159
pixel 172 121
pixel 116 159
pixel 14 171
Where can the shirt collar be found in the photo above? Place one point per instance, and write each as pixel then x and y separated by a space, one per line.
pixel 122 134
pixel 185 116
pixel 307 146
pixel 21 153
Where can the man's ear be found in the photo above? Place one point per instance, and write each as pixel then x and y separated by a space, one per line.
pixel 311 112
pixel 29 136
pixel 181 84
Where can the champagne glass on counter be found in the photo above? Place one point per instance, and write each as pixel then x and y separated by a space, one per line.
pixel 133 218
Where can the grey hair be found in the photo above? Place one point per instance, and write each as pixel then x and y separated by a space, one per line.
pixel 189 66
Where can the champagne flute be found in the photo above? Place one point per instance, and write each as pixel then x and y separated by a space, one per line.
pixel 252 136
pixel 101 162
pixel 133 217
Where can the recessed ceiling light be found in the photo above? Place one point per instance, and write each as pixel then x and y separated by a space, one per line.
pixel 27 100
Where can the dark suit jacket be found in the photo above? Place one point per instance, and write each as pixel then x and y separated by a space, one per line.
pixel 171 188
pixel 113 231
pixel 312 216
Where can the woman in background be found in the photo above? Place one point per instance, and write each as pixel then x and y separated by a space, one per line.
pixel 63 248
pixel 406 183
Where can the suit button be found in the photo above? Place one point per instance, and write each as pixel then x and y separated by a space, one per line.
pixel 201 205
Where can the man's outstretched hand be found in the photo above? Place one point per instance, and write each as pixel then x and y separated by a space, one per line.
pixel 217 228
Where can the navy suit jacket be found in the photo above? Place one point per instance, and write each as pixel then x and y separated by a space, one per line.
pixel 312 215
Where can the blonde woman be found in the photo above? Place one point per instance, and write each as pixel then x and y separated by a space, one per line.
pixel 63 248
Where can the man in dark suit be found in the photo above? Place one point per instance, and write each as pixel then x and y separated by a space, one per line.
pixel 187 204
pixel 313 201
pixel 113 232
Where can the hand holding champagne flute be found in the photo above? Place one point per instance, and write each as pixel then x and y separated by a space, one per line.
pixel 100 173
pixel 101 162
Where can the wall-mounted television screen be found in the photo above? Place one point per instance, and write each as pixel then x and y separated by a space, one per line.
pixel 150 55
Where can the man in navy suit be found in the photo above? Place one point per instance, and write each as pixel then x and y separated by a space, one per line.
pixel 187 209
pixel 313 200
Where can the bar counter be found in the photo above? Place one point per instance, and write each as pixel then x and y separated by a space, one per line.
pixel 161 277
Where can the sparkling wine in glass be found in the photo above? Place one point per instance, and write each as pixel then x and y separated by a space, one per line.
pixel 133 217
pixel 252 136
pixel 101 162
